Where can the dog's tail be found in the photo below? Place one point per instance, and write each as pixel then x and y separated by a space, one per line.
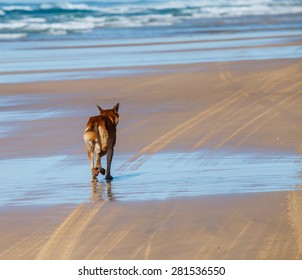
pixel 90 125
pixel 90 136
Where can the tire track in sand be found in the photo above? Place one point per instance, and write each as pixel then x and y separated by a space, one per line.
pixel 110 243
pixel 267 120
pixel 295 218
pixel 258 117
pixel 273 240
pixel 206 248
pixel 272 80
pixel 157 145
pixel 235 115
pixel 63 240
pixel 24 247
pixel 146 153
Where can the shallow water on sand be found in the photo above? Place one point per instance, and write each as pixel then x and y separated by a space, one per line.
pixel 61 179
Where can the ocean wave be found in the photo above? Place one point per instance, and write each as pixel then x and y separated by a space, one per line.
pixel 69 7
pixel 224 12
pixel 8 36
pixel 176 8
pixel 66 17
pixel 36 20
pixel 12 25
pixel 87 24
pixel 17 8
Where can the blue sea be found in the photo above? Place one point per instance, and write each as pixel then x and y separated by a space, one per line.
pixel 73 19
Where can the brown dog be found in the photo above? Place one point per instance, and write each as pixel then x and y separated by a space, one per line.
pixel 100 138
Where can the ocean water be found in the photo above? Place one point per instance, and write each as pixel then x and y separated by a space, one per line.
pixel 34 19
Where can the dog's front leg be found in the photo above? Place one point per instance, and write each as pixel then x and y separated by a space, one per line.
pixel 98 162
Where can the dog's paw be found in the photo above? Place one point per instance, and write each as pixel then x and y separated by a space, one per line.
pixel 96 171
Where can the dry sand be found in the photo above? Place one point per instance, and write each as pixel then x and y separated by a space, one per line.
pixel 248 105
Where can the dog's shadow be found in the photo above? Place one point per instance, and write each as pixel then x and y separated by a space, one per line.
pixel 126 177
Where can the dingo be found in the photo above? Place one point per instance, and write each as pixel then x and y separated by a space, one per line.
pixel 100 137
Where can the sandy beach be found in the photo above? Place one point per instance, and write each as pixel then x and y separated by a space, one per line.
pixel 260 226
pixel 203 117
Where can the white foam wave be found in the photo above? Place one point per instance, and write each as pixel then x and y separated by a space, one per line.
pixel 17 8
pixel 12 25
pixel 213 12
pixel 156 20
pixel 56 32
pixel 134 14
pixel 12 36
pixel 69 6
pixel 59 28
pixel 239 7
pixel 86 24
pixel 72 25
pixel 135 21
pixel 236 7
pixel 31 20
pixel 46 6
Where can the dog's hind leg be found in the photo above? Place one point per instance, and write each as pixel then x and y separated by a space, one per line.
pixel 90 148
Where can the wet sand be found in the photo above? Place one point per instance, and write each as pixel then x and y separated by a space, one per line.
pixel 246 107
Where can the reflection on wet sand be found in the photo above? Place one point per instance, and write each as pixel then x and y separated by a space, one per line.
pixel 101 191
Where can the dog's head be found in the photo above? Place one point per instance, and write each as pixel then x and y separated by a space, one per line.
pixel 112 114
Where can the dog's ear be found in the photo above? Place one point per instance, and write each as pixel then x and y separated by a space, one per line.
pixel 116 107
pixel 100 109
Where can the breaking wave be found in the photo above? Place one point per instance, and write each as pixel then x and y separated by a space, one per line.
pixel 68 17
